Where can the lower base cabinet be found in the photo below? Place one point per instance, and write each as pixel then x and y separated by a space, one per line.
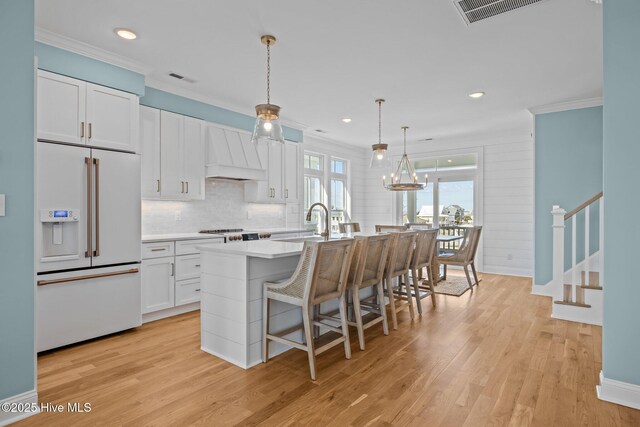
pixel 171 275
pixel 157 284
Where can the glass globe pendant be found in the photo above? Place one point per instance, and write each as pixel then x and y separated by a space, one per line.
pixel 268 127
pixel 379 156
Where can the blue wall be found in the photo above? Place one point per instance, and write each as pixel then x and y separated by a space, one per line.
pixel 178 104
pixel 568 171
pixel 621 324
pixel 17 183
pixel 80 67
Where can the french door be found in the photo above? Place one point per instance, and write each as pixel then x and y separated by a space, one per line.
pixel 447 200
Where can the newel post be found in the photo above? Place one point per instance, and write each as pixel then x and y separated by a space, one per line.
pixel 558 248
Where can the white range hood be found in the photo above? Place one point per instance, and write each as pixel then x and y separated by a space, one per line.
pixel 231 155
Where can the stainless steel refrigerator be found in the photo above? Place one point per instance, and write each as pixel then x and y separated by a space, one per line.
pixel 88 243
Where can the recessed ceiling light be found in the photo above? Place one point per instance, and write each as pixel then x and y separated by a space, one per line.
pixel 126 34
pixel 346 120
pixel 476 94
pixel 449 161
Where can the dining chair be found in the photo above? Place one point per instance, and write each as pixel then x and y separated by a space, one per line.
pixel 390 228
pixel 367 271
pixel 320 276
pixel 398 265
pixel 465 255
pixel 349 227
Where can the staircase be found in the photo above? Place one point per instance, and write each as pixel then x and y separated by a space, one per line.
pixel 577 292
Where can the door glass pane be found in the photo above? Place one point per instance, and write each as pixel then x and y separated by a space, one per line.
pixel 417 206
pixel 456 203
pixel 337 203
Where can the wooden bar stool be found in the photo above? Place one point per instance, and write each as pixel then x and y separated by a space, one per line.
pixel 390 228
pixel 367 271
pixel 398 265
pixel 349 227
pixel 321 275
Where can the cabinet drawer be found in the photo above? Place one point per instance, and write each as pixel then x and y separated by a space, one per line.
pixel 188 267
pixel 187 291
pixel 157 250
pixel 188 247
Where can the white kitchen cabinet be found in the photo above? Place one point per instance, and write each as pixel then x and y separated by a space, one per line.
pixel 61 108
pixel 76 112
pixel 193 158
pixel 150 151
pixel 112 117
pixel 171 155
pixel 273 190
pixel 158 284
pixel 292 176
pixel 171 264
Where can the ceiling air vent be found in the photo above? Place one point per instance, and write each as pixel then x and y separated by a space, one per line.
pixel 477 10
pixel 181 77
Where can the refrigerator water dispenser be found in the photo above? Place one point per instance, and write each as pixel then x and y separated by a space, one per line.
pixel 60 236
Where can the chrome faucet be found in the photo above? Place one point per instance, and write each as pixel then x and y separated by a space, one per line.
pixel 325 233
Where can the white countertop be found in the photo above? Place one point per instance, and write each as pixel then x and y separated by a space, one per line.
pixel 257 249
pixel 178 236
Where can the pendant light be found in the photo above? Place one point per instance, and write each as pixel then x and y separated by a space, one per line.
pixel 404 178
pixel 268 126
pixel 379 157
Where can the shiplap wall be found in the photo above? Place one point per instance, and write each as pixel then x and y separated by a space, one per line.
pixel 507 193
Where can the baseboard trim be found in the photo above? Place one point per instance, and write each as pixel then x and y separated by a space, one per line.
pixel 618 392
pixel 29 398
pixel 169 312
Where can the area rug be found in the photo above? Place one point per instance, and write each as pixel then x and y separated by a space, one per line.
pixel 454 285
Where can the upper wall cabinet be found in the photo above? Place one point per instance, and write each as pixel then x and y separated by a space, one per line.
pixel 283 181
pixel 172 148
pixel 77 112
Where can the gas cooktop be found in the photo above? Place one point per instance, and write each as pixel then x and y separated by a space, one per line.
pixel 222 231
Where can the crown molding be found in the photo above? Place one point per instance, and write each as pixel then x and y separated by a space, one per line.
pixel 568 105
pixel 191 94
pixel 85 49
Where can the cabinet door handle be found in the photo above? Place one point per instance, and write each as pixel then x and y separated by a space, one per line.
pixel 198 290
pixel 182 184
pixel 158 250
pixel 89 130
pixel 286 193
pixel 187 187
pixel 197 265
pixel 81 129
pixel 158 185
pixel 173 269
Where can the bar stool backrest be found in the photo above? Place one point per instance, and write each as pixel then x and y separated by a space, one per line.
pixel 330 269
pixel 375 250
pixel 418 226
pixel 404 249
pixel 426 245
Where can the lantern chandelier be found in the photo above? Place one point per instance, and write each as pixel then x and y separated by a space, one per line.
pixel 379 157
pixel 268 126
pixel 404 178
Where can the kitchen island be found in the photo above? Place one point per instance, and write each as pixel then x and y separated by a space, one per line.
pixel 232 281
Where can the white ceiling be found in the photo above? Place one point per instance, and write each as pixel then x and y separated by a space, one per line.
pixel 334 57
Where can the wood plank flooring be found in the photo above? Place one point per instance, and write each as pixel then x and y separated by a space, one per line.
pixel 490 357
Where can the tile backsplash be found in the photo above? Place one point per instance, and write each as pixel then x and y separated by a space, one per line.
pixel 223 207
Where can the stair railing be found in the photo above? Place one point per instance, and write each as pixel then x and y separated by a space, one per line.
pixel 573 293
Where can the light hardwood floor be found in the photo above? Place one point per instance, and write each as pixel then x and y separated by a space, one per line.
pixel 490 357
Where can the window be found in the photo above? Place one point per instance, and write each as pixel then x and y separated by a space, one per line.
pixel 330 188
pixel 338 191
pixel 313 184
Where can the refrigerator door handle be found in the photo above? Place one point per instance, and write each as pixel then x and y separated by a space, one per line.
pixel 87 253
pixel 96 162
pixel 87 277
